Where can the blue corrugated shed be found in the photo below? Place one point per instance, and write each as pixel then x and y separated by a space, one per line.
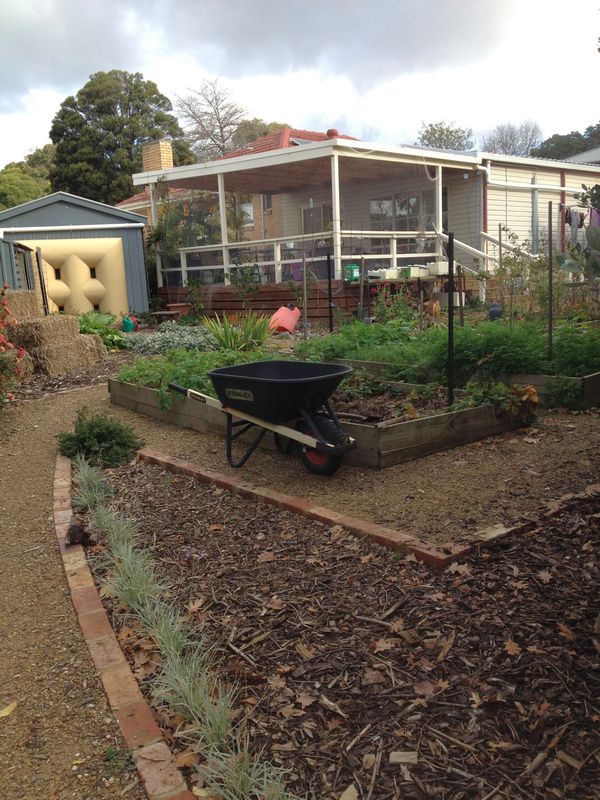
pixel 66 216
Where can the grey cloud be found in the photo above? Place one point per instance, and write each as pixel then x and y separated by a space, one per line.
pixel 59 43
pixel 369 42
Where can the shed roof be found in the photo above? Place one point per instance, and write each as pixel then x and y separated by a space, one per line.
pixel 37 210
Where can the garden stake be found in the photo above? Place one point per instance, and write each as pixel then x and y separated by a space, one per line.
pixel 450 319
pixel 550 298
pixel 329 294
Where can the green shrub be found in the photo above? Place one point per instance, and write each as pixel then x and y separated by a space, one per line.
pixel 246 333
pixel 102 325
pixel 171 336
pixel 189 368
pixel 102 441
pixel 563 393
pixel 484 350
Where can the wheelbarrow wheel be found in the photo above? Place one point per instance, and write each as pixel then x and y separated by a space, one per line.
pixel 316 461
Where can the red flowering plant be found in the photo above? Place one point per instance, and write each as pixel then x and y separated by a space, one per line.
pixel 10 356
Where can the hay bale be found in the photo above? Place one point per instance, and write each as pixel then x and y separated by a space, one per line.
pixel 23 305
pixel 92 347
pixel 45 332
pixel 81 352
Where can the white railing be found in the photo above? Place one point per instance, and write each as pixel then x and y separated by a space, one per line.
pixel 278 259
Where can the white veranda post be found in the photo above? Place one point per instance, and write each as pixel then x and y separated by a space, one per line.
pixel 154 220
pixel 336 221
pixel 223 220
pixel 438 212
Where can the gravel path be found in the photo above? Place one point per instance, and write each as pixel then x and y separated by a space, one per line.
pixel 53 746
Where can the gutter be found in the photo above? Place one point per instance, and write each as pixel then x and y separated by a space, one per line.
pixel 44 228
pixel 487 171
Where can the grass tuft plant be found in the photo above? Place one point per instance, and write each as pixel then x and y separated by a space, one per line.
pixel 102 441
pixel 188 681
pixel 247 332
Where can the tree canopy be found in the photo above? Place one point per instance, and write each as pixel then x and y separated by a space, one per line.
pixel 250 129
pixel 569 144
pixel 17 187
pixel 210 120
pixel 215 124
pixel 22 181
pixel 513 140
pixel 446 135
pixel 99 133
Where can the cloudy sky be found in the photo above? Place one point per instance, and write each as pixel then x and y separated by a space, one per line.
pixel 376 70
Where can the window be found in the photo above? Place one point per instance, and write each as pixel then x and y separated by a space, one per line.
pixel 410 211
pixel 317 218
pixel 92 272
pixel 247 210
pixel 267 202
pixel 56 274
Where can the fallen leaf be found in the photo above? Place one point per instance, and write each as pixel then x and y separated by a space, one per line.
pixel 382 645
pixel 195 605
pixel 215 528
pixel 425 688
pixel 305 651
pixel 397 625
pixel 459 569
pixel 566 632
pixel 544 576
pixel 289 711
pixel 512 648
pixel 276 682
pixel 367 558
pixel 263 558
pixel 283 747
pixel 349 794
pixel 448 642
pixel 187 758
pixel 404 757
pixel 276 603
pixel 372 676
pixel 368 760
pixel 336 532
pixel 8 710
pixel 305 700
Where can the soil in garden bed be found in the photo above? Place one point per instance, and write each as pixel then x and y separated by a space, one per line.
pixel 360 668
pixel 363 398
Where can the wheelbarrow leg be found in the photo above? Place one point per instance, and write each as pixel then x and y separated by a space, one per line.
pixel 231 435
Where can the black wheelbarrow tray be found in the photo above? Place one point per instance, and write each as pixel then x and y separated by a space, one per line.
pixel 288 398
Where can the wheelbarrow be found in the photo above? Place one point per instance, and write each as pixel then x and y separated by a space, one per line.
pixel 288 398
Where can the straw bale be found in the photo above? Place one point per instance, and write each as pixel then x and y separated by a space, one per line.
pixel 23 305
pixel 92 347
pixel 59 359
pixel 45 332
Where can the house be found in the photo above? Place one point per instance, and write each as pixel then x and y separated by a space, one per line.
pixel 77 254
pixel 587 157
pixel 343 201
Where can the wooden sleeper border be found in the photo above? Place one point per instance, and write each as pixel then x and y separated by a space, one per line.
pixel 438 557
pixel 378 445
pixel 161 779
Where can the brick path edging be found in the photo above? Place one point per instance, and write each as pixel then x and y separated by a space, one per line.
pixel 161 779
pixel 438 557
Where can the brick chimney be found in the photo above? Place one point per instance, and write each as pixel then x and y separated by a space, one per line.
pixel 157 155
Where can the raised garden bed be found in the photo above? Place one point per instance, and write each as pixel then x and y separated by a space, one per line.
pixel 365 674
pixel 379 444
pixel 588 386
